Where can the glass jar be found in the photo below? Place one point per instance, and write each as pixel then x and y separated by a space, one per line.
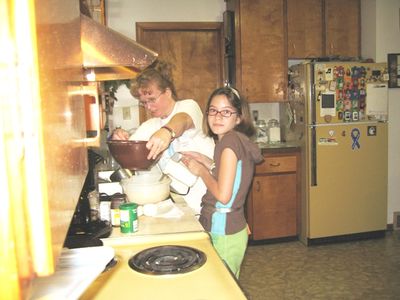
pixel 274 131
pixel 262 131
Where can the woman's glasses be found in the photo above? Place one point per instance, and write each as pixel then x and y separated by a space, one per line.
pixel 150 101
pixel 226 113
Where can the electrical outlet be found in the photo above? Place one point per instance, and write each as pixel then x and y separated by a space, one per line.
pixel 396 220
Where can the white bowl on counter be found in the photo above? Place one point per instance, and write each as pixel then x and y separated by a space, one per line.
pixel 144 190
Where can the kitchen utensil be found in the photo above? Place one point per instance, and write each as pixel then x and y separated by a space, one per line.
pixel 120 174
pixel 131 155
pixel 142 190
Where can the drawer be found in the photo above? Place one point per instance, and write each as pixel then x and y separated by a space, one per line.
pixel 277 164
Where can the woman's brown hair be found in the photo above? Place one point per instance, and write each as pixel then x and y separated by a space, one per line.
pixel 159 73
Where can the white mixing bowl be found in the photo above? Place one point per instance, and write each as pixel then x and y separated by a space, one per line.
pixel 144 190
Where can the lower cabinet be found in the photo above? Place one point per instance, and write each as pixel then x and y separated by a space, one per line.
pixel 272 206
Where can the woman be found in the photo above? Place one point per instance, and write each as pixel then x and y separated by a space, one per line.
pixel 228 180
pixel 175 126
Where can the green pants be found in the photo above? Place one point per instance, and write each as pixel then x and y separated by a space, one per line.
pixel 231 248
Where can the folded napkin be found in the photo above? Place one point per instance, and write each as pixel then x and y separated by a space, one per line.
pixel 164 209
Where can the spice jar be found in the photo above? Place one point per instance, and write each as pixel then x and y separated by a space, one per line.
pixel 116 200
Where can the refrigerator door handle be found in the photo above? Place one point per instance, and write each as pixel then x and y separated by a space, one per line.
pixel 313 156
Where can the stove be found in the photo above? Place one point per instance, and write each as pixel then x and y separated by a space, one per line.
pixel 165 266
pixel 170 259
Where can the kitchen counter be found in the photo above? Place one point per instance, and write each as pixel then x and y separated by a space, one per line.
pixel 282 147
pixel 188 222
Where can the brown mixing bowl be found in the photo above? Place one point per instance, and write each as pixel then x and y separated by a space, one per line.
pixel 131 155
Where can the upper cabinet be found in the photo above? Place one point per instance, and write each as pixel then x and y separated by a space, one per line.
pixel 260 49
pixel 343 27
pixel 269 32
pixel 305 21
pixel 318 28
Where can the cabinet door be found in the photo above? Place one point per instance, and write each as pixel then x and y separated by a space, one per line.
pixel 305 27
pixel 342 27
pixel 274 206
pixel 261 51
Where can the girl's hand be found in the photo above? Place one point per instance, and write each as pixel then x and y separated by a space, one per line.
pixel 201 158
pixel 192 164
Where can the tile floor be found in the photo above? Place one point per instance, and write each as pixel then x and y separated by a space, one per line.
pixel 366 269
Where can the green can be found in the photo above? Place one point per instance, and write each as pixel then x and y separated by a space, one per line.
pixel 128 217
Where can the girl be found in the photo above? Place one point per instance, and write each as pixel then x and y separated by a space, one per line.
pixel 228 177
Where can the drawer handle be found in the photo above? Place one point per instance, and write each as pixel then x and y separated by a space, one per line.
pixel 258 187
pixel 275 164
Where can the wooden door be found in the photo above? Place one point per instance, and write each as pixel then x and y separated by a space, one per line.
pixel 194 48
pixel 343 27
pixel 305 28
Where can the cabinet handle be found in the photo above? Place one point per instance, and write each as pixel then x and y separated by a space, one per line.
pixel 275 164
pixel 258 187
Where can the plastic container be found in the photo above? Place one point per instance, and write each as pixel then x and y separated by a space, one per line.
pixel 128 217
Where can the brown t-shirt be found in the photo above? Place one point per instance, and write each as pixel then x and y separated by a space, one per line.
pixel 229 218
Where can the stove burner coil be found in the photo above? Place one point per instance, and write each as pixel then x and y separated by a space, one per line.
pixel 168 259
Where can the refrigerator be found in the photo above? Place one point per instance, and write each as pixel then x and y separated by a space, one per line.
pixel 337 113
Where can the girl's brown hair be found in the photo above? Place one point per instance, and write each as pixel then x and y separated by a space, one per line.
pixel 159 73
pixel 240 104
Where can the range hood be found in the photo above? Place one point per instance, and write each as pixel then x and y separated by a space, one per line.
pixel 109 55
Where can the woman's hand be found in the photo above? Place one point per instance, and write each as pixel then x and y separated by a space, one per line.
pixel 120 134
pixel 158 142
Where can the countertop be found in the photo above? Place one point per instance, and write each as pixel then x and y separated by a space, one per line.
pixel 282 147
pixel 187 222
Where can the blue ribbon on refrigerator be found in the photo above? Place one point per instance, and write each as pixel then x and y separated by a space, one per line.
pixel 355 136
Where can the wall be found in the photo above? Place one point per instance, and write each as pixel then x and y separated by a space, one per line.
pixel 380 36
pixel 122 16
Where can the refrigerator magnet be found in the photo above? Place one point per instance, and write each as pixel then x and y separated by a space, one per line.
pixel 371 131
pixel 355 136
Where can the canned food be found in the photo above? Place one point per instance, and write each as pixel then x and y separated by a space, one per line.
pixel 128 217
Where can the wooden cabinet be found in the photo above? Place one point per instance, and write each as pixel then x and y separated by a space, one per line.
pixel 305 19
pixel 343 27
pixel 260 49
pixel 272 206
pixel 318 28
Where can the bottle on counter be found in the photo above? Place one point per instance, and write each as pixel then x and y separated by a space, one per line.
pixel 116 200
pixel 105 207
pixel 274 131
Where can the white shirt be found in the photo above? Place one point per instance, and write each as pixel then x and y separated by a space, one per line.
pixel 192 139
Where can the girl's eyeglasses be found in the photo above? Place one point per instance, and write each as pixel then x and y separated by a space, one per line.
pixel 226 113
